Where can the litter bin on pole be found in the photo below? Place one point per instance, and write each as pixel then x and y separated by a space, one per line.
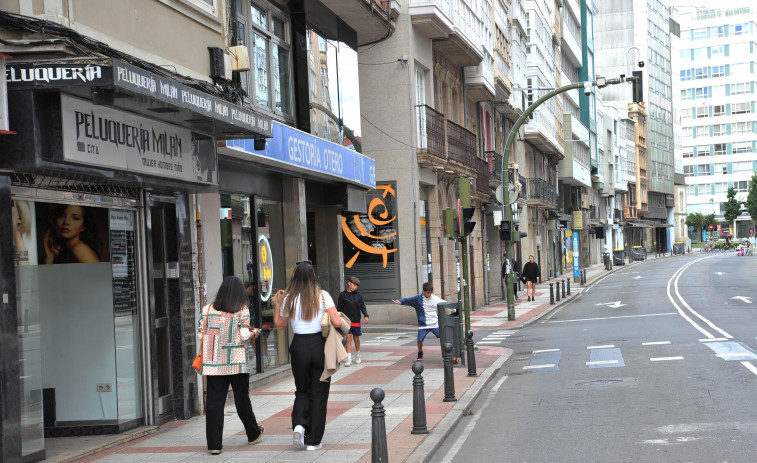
pixel 637 253
pixel 618 256
pixel 679 247
pixel 449 329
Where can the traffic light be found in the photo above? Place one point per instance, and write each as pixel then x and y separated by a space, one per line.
pixel 638 87
pixel 505 230
pixel 466 225
pixel 450 217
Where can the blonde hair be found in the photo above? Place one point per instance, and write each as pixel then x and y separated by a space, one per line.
pixel 303 287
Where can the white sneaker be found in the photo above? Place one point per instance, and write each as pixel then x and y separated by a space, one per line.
pixel 348 362
pixel 358 360
pixel 298 439
pixel 314 447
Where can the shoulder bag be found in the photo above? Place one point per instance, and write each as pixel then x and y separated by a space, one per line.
pixel 197 364
pixel 325 319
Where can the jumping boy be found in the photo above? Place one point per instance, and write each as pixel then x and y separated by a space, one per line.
pixel 425 309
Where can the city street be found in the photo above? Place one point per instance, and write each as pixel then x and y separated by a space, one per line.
pixel 655 362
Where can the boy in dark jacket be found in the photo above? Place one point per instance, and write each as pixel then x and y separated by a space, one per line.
pixel 350 302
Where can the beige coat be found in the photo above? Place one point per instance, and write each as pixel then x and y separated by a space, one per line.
pixel 334 350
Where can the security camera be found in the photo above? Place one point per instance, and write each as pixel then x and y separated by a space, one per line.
pixel 587 88
pixel 641 64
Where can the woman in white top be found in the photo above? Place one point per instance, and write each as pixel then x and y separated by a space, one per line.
pixel 303 304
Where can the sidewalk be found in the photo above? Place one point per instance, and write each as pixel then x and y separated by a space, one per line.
pixel 348 429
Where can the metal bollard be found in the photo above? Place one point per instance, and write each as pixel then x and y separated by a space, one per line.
pixel 567 282
pixel 563 289
pixel 471 354
pixel 557 292
pixel 449 376
pixel 419 401
pixel 551 294
pixel 379 451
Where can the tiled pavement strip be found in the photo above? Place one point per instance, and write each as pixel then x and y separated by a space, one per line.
pixel 348 428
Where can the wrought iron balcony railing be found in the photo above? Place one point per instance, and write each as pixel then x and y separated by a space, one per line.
pixel 461 144
pixel 539 189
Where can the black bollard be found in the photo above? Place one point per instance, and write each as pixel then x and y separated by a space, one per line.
pixel 449 375
pixel 471 354
pixel 551 294
pixel 379 451
pixel 419 401
pixel 557 291
pixel 567 282
pixel 563 289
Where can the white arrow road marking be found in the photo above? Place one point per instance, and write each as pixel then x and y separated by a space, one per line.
pixel 750 367
pixel 637 278
pixel 742 299
pixel 719 273
pixel 614 305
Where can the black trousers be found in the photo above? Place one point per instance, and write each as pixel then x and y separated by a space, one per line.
pixel 218 389
pixel 312 395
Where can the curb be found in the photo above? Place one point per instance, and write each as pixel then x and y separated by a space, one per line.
pixel 134 435
pixel 429 445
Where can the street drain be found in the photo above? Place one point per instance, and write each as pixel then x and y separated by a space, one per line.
pixel 599 382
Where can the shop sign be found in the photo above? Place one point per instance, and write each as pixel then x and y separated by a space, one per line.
pixel 578 220
pixel 34 75
pixel 266 268
pixel 376 232
pixel 300 149
pixel 105 137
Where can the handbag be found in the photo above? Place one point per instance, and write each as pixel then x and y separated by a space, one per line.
pixel 325 319
pixel 197 364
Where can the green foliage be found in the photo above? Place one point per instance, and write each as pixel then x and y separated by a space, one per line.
pixel 732 207
pixel 751 199
pixel 695 219
pixel 708 220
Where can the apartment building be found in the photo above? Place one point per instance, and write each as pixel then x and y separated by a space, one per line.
pixel 715 70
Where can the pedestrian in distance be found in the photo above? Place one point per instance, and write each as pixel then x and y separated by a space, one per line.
pixel 530 276
pixel 350 302
pixel 516 270
pixel 425 309
pixel 226 327
pixel 302 305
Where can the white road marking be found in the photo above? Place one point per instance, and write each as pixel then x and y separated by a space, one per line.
pixel 734 354
pixel 546 350
pixel 677 276
pixel 713 339
pixel 458 444
pixel 489 342
pixel 742 299
pixel 601 347
pixel 655 343
pixel 662 359
pixel 536 367
pixel 611 318
pixel 602 362
pixel 750 367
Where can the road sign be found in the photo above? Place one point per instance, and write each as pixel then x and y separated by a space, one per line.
pixel 710 226
pixel 718 228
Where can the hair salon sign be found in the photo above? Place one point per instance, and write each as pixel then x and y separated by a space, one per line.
pixel 106 137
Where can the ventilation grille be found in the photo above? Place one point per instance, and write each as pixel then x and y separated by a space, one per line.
pixel 75 183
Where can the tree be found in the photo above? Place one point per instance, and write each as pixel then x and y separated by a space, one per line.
pixel 732 207
pixel 710 219
pixel 751 199
pixel 696 220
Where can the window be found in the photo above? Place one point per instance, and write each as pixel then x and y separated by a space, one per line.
pixel 739 89
pixel 739 29
pixel 705 189
pixel 715 51
pixel 721 149
pixel 685 54
pixel 720 187
pixel 685 75
pixel 740 68
pixel 271 60
pixel 698 53
pixel 700 34
pixel 741 108
pixel 742 185
pixel 739 128
pixel 718 130
pixel 742 147
pixel 685 113
pixel 702 92
pixel 687 94
pixel 688 153
pixel 703 150
pixel 700 73
pixel 691 190
pixel 718 71
pixel 687 132
pixel 688 171
pixel 718 110
pixel 721 168
pixel 703 112
pixel 717 31
pixel 744 166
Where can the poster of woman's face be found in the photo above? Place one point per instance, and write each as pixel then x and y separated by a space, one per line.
pixel 71 234
pixel 24 232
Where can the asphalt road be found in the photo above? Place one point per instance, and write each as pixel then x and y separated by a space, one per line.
pixel 656 362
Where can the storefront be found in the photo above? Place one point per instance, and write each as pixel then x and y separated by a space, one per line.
pixel 278 205
pixel 102 276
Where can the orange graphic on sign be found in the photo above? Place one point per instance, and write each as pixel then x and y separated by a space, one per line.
pixel 377 248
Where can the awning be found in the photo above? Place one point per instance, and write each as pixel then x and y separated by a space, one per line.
pixel 111 82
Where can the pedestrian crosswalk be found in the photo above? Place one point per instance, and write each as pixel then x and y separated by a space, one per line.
pixel 497 337
pixel 385 338
pixel 610 356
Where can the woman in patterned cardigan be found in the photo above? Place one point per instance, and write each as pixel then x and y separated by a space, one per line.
pixel 224 361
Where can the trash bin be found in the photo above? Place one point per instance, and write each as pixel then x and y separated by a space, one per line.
pixel 618 257
pixel 637 253
pixel 679 248
pixel 449 330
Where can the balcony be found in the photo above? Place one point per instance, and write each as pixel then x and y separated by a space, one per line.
pixel 495 168
pixel 461 144
pixel 445 145
pixel 432 18
pixel 617 216
pixel 431 131
pixel 463 44
pixel 482 177
pixel 541 193
pixel 373 20
pixel 542 132
pixel 629 212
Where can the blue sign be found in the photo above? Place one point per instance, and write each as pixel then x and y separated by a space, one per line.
pixel 297 148
pixel 575 254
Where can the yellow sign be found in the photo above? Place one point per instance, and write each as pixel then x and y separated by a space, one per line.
pixel 266 268
pixel 578 220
